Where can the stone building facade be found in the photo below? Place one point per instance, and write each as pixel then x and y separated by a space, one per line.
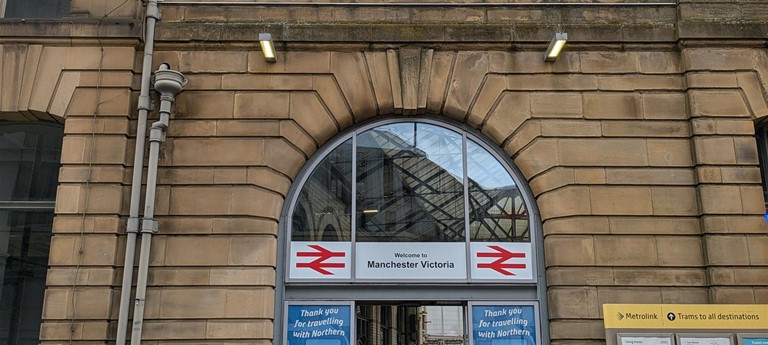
pixel 638 144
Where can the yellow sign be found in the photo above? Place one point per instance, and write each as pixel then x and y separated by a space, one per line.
pixel 686 316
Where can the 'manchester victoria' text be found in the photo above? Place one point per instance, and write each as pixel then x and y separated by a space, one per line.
pixel 407 264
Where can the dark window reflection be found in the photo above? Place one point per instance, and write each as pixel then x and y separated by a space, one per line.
pixel 410 184
pixel 364 319
pixel 36 8
pixel 410 188
pixel 497 212
pixel 29 167
pixel 410 324
pixel 29 161
pixel 25 238
pixel 323 211
pixel 385 325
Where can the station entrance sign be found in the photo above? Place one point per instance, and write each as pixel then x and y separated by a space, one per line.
pixel 412 261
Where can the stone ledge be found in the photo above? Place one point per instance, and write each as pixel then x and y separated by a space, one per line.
pixel 723 29
pixel 460 33
pixel 417 13
pixel 402 33
pixel 68 28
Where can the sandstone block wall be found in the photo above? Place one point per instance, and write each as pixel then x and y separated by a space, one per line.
pixel 641 154
pixel 645 175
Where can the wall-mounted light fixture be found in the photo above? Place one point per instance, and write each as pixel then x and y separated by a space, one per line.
pixel 555 46
pixel 267 47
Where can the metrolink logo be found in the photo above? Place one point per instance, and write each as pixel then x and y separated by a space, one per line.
pixel 636 316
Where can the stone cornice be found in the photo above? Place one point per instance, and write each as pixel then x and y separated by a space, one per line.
pixel 345 23
pixel 410 33
pixel 465 23
pixel 33 30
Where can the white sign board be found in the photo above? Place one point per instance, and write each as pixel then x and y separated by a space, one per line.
pixel 324 260
pixel 422 261
pixel 705 341
pixel 411 260
pixel 646 341
pixel 501 261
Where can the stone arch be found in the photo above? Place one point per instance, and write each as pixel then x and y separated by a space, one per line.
pixel 415 81
pixel 290 288
pixel 48 83
pixel 480 89
pixel 320 94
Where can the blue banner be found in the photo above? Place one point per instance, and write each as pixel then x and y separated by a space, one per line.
pixel 319 324
pixel 754 341
pixel 503 325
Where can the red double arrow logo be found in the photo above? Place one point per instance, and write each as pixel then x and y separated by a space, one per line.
pixel 319 264
pixel 499 264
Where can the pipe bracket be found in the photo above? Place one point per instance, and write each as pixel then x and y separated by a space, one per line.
pixel 156 134
pixel 153 11
pixel 148 226
pixel 144 103
pixel 133 225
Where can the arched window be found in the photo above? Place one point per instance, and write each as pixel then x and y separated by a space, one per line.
pixel 29 169
pixel 416 181
pixel 417 217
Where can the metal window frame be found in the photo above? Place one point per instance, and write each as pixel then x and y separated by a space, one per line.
pixel 740 337
pixel 470 292
pixel 761 136
pixel 682 335
pixel 620 335
pixel 14 205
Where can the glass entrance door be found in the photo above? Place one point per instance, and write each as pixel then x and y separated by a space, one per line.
pixel 410 324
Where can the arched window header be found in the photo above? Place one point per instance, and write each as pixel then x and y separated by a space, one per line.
pixel 387 194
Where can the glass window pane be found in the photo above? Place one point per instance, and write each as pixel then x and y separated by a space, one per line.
pixel 25 239
pixel 410 184
pixel 761 135
pixel 29 161
pixel 323 211
pixel 497 210
pixel 36 8
pixel 444 322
